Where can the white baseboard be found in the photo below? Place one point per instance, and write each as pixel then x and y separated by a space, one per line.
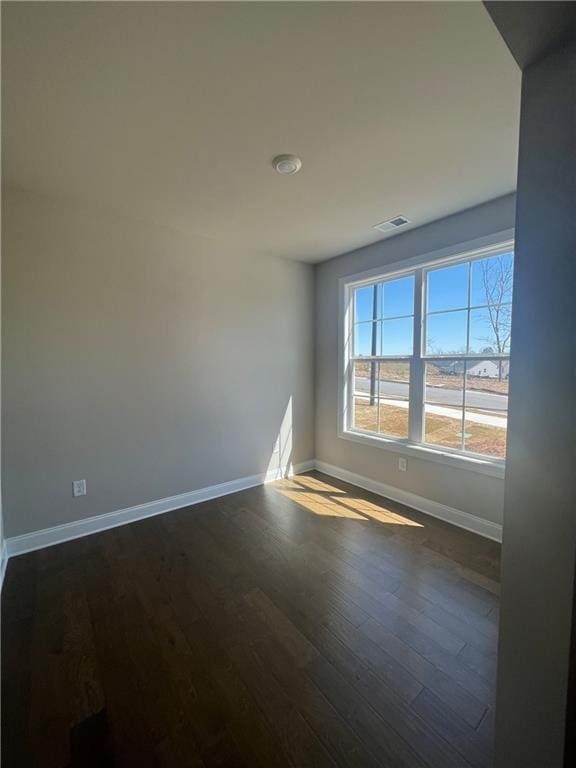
pixel 18 545
pixel 28 542
pixel 450 515
pixel 3 563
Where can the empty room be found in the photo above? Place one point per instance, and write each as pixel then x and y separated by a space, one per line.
pixel 288 384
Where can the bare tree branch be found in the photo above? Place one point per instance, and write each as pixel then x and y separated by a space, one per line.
pixel 497 275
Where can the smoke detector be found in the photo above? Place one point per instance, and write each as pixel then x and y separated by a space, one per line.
pixel 287 164
pixel 391 224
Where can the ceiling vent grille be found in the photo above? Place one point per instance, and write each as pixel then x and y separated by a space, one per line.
pixel 391 224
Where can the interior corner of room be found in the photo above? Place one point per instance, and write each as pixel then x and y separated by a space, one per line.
pixel 287 384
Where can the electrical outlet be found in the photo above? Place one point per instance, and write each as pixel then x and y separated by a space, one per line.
pixel 402 464
pixel 79 488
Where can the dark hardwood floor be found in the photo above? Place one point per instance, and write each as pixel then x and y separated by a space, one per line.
pixel 302 623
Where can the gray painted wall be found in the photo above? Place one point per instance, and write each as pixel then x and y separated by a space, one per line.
pixel 145 361
pixel 1 509
pixel 458 488
pixel 539 552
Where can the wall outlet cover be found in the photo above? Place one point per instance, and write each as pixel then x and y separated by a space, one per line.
pixel 79 488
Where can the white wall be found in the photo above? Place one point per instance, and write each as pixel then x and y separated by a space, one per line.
pixel 145 361
pixel 461 489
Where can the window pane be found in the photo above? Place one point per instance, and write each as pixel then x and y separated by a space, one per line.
pixel 446 333
pixel 467 322
pixel 381 393
pixel 485 432
pixel 490 330
pixel 364 336
pixel 487 384
pixel 393 386
pixel 444 398
pixel 482 339
pixel 399 297
pixel 486 407
pixel 448 288
pixel 398 336
pixel 492 280
pixel 364 300
pixel 445 383
pixel 365 388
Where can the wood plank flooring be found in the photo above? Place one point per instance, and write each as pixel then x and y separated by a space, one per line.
pixel 304 623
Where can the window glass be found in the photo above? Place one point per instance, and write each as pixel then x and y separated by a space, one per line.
pixel 492 280
pixel 398 297
pixel 444 403
pixel 485 432
pixel 364 302
pixel 446 333
pixel 490 330
pixel 393 402
pixel 398 336
pixel 365 336
pixel 381 397
pixel 466 312
pixel 486 407
pixel 448 288
pixel 365 394
pixel 487 384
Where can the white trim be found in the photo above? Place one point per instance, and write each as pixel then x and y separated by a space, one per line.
pixel 3 563
pixel 456 517
pixel 459 460
pixel 466 249
pixel 47 537
pixel 29 542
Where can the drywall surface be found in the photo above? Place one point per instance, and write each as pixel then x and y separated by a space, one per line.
pixel 539 552
pixel 2 564
pixel 147 362
pixel 461 489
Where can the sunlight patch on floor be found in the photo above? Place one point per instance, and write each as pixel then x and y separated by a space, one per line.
pixel 376 512
pixel 320 505
pixel 316 496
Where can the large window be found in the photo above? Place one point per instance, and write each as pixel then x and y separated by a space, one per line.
pixel 427 355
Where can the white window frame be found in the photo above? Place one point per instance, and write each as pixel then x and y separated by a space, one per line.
pixel 418 266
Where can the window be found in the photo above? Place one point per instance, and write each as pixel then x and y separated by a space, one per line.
pixel 427 355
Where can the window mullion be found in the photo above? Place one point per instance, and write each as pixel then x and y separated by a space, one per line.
pixel 360 354
pixel 416 405
pixel 465 362
pixel 350 404
pixel 464 377
pixel 377 399
pixel 349 350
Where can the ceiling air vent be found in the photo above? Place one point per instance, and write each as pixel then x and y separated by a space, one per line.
pixel 391 224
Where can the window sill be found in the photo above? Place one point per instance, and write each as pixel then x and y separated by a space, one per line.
pixel 482 466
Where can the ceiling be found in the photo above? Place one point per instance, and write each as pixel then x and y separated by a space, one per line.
pixel 172 112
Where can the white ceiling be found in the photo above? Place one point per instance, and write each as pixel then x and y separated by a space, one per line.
pixel 173 112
